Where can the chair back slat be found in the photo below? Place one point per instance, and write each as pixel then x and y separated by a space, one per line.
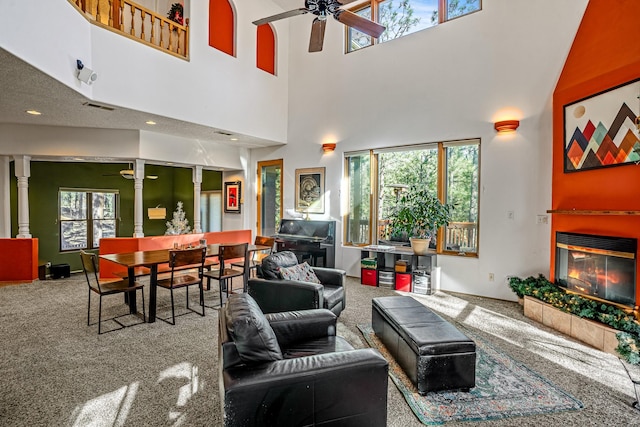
pixel 265 241
pixel 180 258
pixel 91 269
pixel 232 251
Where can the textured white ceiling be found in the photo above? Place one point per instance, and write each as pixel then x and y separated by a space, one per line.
pixel 23 87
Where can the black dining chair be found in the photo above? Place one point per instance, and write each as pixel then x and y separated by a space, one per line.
pixel 103 287
pixel 228 255
pixel 258 256
pixel 183 277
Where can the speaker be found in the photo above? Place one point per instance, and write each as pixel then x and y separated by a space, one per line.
pixel 87 75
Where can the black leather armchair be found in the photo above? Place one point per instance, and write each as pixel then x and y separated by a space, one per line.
pixel 290 369
pixel 273 294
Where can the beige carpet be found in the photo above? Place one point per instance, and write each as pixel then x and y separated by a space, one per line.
pixel 56 371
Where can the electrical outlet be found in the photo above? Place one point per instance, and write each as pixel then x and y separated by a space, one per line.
pixel 542 219
pixel 491 277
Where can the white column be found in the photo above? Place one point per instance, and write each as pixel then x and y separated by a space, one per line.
pixel 23 172
pixel 197 187
pixel 138 214
pixel 5 199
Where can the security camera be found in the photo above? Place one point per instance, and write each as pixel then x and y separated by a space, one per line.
pixel 85 74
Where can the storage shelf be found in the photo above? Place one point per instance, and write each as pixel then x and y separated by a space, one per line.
pixel 590 212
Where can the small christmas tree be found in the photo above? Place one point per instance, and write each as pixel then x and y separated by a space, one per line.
pixel 179 224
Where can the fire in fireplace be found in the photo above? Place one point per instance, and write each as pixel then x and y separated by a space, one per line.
pixel 597 266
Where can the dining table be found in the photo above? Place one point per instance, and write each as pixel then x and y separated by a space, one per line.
pixel 152 259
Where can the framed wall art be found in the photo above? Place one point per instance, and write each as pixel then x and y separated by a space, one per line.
pixel 310 190
pixel 602 130
pixel 232 196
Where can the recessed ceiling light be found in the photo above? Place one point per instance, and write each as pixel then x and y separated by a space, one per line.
pixel 34 112
pixel 150 122
pixel 234 139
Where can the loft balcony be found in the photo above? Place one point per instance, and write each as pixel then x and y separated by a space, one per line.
pixel 138 23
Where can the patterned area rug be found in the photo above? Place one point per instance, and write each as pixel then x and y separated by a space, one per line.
pixel 504 388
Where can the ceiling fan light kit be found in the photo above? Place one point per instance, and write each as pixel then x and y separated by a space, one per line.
pixel 323 8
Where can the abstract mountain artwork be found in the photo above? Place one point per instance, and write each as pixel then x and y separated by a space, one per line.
pixel 603 130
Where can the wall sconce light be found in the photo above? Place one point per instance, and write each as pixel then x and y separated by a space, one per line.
pixel 157 212
pixel 505 126
pixel 329 147
pixel 85 74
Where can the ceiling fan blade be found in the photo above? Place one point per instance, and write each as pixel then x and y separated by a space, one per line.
pixel 317 35
pixel 343 2
pixel 361 24
pixel 294 12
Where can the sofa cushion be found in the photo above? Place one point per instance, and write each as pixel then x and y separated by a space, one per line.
pixel 270 267
pixel 250 331
pixel 301 272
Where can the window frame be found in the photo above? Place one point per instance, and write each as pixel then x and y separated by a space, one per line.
pixel 88 192
pixel 443 16
pixel 441 191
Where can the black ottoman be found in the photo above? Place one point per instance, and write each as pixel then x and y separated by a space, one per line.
pixel 433 353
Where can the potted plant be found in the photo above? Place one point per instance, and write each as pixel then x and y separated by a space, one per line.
pixel 418 216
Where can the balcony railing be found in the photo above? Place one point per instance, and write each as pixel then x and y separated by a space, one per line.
pixel 138 23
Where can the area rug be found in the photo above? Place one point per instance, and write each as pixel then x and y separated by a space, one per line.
pixel 504 388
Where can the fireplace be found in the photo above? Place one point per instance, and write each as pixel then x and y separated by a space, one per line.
pixel 600 267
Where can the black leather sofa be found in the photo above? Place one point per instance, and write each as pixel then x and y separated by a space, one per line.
pixel 273 294
pixel 290 369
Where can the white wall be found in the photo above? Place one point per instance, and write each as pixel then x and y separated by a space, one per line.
pixel 212 88
pixel 449 82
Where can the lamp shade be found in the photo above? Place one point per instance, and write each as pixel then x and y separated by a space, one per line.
pixel 328 147
pixel 506 126
pixel 157 213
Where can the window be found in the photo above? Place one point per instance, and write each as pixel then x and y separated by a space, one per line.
pixel 403 17
pixel 450 170
pixel 358 218
pixel 461 191
pixel 85 217
pixel 211 211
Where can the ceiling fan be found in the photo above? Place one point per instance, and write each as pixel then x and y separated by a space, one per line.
pixel 129 174
pixel 322 9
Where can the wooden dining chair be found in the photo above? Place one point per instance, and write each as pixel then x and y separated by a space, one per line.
pixel 227 271
pixel 104 287
pixel 182 277
pixel 258 256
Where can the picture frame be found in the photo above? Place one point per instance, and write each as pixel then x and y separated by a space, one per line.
pixel 232 197
pixel 309 197
pixel 602 130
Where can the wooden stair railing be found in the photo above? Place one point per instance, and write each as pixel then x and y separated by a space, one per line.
pixel 137 23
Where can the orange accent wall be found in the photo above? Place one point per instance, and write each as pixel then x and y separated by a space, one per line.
pixel 115 245
pixel 605 54
pixel 20 261
pixel 266 49
pixel 222 26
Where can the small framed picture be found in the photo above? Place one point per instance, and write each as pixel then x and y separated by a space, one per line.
pixel 232 196
pixel 310 190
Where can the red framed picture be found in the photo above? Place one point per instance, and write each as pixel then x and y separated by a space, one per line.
pixel 232 196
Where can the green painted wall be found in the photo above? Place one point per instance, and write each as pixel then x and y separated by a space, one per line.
pixel 173 185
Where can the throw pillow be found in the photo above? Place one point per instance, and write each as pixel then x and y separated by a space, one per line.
pixel 250 330
pixel 302 272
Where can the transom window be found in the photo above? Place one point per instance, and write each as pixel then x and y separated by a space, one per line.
pixel 85 216
pixel 376 180
pixel 403 17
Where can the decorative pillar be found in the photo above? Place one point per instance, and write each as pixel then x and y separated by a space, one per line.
pixel 138 214
pixel 197 187
pixel 5 198
pixel 23 172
